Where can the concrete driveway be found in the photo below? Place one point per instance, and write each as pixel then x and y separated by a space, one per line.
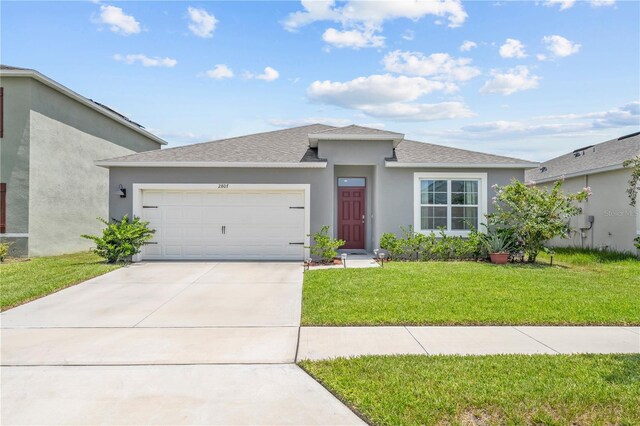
pixel 170 343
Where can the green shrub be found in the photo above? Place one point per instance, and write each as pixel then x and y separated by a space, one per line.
pixel 535 215
pixel 325 247
pixel 418 246
pixel 4 250
pixel 121 240
pixel 636 242
pixel 412 243
pixel 389 242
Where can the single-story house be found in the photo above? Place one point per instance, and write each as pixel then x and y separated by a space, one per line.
pixel 50 189
pixel 607 221
pixel 260 196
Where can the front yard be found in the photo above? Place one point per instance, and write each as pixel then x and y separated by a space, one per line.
pixel 25 280
pixel 478 390
pixel 582 288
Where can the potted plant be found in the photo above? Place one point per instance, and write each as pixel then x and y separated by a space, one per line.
pixel 499 247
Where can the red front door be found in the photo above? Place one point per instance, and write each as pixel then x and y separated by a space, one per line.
pixel 351 216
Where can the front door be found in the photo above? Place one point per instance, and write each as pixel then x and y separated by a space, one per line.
pixel 351 216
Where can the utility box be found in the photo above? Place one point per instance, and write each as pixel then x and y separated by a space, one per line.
pixel 585 221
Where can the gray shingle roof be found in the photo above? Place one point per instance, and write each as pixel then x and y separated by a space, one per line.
pixel 611 153
pixel 358 130
pixel 421 152
pixel 280 146
pixel 292 146
pixel 9 67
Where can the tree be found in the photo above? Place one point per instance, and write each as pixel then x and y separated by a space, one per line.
pixel 535 215
pixel 634 182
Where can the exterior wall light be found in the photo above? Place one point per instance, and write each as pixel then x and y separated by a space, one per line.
pixel 123 191
pixel 343 256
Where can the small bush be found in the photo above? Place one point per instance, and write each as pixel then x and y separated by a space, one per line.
pixel 121 240
pixel 389 242
pixel 636 242
pixel 325 247
pixel 417 246
pixel 4 250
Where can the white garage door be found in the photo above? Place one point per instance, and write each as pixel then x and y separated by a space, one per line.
pixel 227 224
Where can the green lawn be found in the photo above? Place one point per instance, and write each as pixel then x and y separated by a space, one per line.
pixel 581 288
pixel 479 390
pixel 22 281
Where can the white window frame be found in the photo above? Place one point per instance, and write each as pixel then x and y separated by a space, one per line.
pixel 482 198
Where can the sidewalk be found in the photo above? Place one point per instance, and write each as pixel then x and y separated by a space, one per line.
pixel 331 342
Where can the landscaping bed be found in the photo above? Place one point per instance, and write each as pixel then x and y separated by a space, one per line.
pixel 22 281
pixel 582 288
pixel 479 390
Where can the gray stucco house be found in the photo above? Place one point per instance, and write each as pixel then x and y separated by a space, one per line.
pixel 614 222
pixel 259 196
pixel 51 190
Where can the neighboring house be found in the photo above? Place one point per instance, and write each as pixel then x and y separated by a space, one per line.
pixel 260 196
pixel 614 222
pixel 50 138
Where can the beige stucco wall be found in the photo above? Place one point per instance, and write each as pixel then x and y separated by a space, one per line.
pixel 615 225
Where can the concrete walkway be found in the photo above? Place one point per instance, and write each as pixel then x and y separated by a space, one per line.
pixel 330 342
pixel 164 343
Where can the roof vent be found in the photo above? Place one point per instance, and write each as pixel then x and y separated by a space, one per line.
pixel 580 151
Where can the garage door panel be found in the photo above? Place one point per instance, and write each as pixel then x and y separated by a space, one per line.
pixel 257 224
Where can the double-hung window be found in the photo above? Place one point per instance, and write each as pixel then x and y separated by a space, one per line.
pixel 453 202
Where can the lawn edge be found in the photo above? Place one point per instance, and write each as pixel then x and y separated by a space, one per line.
pixel 474 324
pixel 8 307
pixel 339 397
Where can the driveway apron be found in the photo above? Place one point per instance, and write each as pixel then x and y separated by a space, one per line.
pixel 165 343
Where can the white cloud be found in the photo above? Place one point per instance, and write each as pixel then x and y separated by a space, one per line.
pixel 388 96
pixel 514 80
pixel 362 20
pixel 201 22
pixel 408 35
pixel 146 61
pixel 541 57
pixel 219 72
pixel 559 46
pixel 118 21
pixel 354 39
pixel 563 4
pixel 439 66
pixel 374 89
pixel 269 74
pixel 374 12
pixel 602 3
pixel 512 48
pixel 626 115
pixel 419 112
pixel 467 45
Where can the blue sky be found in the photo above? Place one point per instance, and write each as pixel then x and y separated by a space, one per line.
pixel 527 79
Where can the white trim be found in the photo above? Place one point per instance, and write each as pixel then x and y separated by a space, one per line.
pixel 253 165
pixel 581 173
pixel 523 165
pixel 482 197
pixel 315 137
pixel 76 96
pixel 137 189
pixel 14 235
